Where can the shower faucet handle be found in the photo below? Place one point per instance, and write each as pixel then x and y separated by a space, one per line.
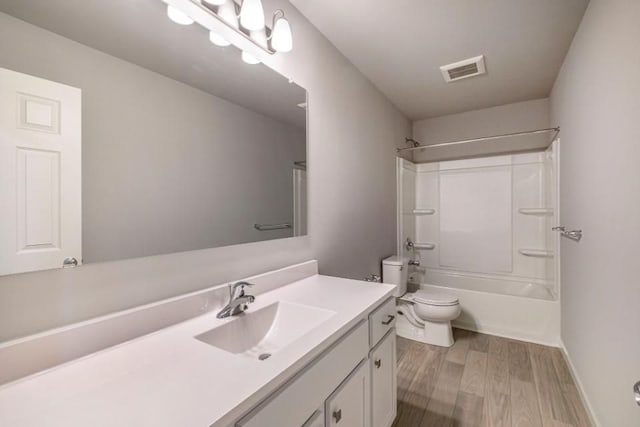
pixel 408 244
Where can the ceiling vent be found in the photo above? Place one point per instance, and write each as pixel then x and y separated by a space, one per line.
pixel 463 69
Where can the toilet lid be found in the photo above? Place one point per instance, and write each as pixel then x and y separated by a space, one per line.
pixel 435 298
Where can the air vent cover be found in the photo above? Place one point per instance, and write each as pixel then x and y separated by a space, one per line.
pixel 463 69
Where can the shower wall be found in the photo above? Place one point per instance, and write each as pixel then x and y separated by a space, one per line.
pixel 481 228
pixel 482 224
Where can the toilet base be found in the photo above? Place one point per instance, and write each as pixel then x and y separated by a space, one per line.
pixel 438 333
pixel 434 333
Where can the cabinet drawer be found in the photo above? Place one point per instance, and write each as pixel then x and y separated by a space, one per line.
pixel 381 321
pixel 297 399
pixel 350 404
pixel 383 381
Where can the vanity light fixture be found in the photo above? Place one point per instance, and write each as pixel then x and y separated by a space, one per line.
pixel 281 39
pixel 237 22
pixel 252 15
pixel 178 16
pixel 227 13
pixel 260 37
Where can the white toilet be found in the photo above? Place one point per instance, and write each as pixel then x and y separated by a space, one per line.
pixel 425 316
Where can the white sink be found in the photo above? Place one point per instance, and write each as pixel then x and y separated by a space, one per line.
pixel 258 334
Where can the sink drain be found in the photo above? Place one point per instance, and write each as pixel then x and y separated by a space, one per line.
pixel 264 356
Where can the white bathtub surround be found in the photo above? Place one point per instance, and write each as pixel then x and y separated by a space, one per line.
pixel 171 377
pixel 490 221
pixel 487 237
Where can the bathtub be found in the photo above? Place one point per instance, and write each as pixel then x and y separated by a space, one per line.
pixel 520 317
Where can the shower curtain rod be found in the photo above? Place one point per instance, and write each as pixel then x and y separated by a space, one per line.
pixel 464 141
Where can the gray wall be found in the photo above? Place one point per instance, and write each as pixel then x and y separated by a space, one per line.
pixel 353 132
pixel 596 101
pixel 509 118
pixel 166 167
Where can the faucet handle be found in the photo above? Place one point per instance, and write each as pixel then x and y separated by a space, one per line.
pixel 234 287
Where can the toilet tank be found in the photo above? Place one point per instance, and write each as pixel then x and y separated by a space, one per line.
pixel 394 272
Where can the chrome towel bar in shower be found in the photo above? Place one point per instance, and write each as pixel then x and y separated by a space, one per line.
pixel 267 227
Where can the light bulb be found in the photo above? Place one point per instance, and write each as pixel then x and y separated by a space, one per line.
pixel 252 15
pixel 217 39
pixel 281 39
pixel 227 12
pixel 249 58
pixel 215 2
pixel 178 16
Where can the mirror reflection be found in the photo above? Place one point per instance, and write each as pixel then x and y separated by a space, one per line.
pixel 126 142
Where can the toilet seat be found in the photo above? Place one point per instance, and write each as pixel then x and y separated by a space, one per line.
pixel 441 299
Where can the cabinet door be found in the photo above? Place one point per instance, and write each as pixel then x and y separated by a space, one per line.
pixel 383 381
pixel 349 405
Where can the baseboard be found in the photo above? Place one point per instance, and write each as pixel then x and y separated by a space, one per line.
pixel 504 333
pixel 578 383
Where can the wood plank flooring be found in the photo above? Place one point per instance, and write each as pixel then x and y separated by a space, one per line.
pixel 485 381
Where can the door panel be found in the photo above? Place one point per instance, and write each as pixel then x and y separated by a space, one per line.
pixel 40 173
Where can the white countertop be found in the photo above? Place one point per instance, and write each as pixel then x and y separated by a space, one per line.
pixel 169 378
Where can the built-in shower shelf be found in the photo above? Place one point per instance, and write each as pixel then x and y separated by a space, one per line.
pixel 536 211
pixel 420 212
pixel 424 246
pixel 538 253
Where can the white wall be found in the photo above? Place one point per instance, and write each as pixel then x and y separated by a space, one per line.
pixel 596 101
pixel 158 156
pixel 353 132
pixel 517 117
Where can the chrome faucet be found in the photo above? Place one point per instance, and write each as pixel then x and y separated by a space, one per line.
pixel 238 301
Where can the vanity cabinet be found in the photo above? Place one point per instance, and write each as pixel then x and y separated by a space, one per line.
pixel 352 384
pixel 350 404
pixel 381 321
pixel 383 381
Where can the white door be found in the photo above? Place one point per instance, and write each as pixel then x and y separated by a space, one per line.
pixel 299 202
pixel 40 173
pixel 383 382
pixel 349 405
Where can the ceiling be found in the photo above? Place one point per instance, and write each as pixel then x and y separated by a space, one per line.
pixel 139 31
pixel 400 45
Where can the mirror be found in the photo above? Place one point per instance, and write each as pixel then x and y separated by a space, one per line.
pixel 132 136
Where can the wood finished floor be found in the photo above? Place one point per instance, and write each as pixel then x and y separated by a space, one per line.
pixel 485 381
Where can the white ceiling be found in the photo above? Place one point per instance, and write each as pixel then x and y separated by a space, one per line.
pixel 139 31
pixel 400 45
